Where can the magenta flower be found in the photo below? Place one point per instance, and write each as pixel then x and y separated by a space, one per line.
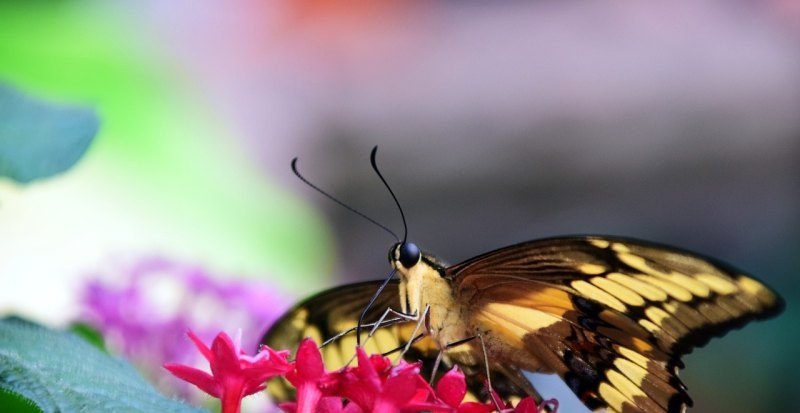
pixel 452 388
pixel 376 386
pixel 234 375
pixel 528 405
pixel 335 405
pixel 450 392
pixel 308 376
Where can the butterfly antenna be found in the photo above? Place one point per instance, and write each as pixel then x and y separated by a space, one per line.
pixel 349 208
pixel 405 237
pixel 402 215
pixel 369 305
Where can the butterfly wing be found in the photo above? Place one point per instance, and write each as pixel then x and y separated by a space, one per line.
pixel 329 313
pixel 611 316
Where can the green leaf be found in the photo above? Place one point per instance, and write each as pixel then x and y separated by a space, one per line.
pixel 40 139
pixel 62 373
pixel 90 334
pixel 15 402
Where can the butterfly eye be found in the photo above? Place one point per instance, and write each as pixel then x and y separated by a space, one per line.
pixel 409 255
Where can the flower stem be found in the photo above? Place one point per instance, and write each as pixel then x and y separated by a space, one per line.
pixel 232 400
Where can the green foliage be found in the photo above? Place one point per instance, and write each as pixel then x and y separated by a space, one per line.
pixel 14 402
pixel 39 139
pixel 89 334
pixel 61 372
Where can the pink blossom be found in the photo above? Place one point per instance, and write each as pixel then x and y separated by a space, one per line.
pixel 309 377
pixel 377 386
pixel 234 375
pixel 374 385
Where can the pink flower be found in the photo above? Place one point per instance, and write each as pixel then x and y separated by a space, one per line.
pixel 311 380
pixel 330 404
pixel 528 405
pixel 452 388
pixel 376 386
pixel 234 374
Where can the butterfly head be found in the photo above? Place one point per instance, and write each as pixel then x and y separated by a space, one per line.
pixel 404 255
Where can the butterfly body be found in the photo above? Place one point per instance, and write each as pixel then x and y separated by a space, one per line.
pixel 425 292
pixel 611 316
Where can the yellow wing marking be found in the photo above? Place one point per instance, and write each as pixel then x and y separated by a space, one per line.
pixel 694 286
pixel 596 294
pixel 591 269
pixel 666 321
pixel 672 289
pixel 625 294
pixel 530 295
pixel 751 286
pixel 718 284
pixel 631 370
pixel 526 319
pixel 688 315
pixel 619 247
pixel 636 398
pixel 644 289
pixel 650 326
pixel 625 385
pixel 612 396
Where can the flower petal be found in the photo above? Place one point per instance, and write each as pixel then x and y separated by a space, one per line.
pixel 309 361
pixel 308 396
pixel 330 405
pixel 366 370
pixel 199 378
pixel 475 407
pixel 352 408
pixel 204 350
pixel 288 407
pixel 452 387
pixel 225 359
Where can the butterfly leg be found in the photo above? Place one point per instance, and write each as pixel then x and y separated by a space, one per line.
pixel 400 317
pixel 422 318
pixel 529 389
pixel 440 356
pixel 382 322
pixel 489 374
pixel 514 376
pixel 436 365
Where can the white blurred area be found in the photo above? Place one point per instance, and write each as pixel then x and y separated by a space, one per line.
pixel 49 241
pixel 99 218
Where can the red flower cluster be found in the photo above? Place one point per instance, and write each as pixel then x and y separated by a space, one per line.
pixel 375 385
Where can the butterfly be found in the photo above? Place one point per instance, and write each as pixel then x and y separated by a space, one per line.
pixel 611 316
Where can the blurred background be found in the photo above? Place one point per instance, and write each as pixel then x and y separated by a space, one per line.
pixel 497 123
